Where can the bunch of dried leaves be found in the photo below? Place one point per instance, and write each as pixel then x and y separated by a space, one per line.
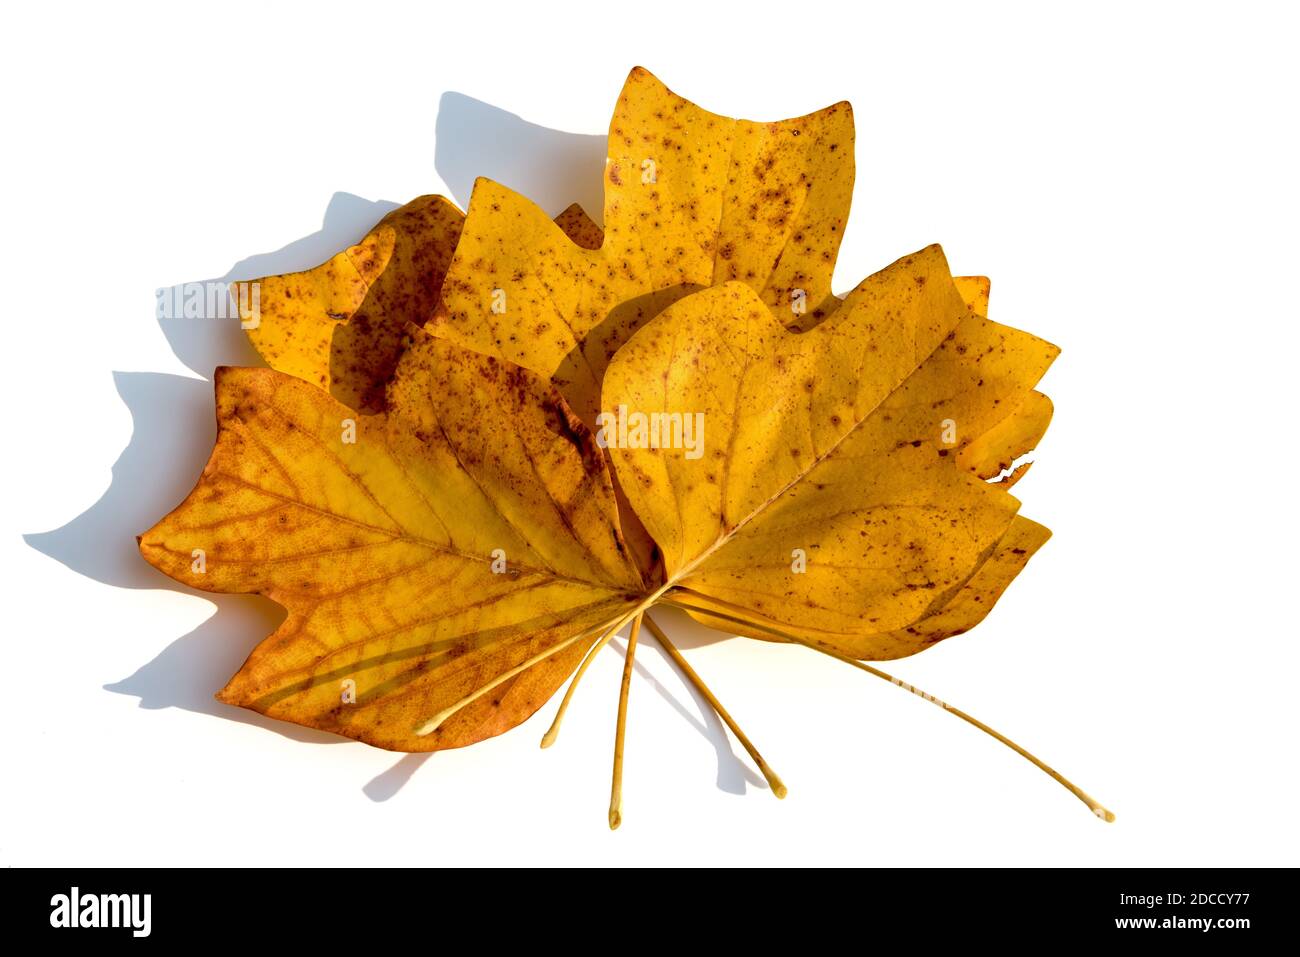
pixel 424 478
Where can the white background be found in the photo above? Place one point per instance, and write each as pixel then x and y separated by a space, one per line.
pixel 1127 176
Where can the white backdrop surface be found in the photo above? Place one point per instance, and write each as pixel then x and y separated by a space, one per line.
pixel 1126 175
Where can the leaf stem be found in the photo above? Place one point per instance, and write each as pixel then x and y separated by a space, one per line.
pixel 1092 804
pixel 553 731
pixel 616 787
pixel 431 725
pixel 777 786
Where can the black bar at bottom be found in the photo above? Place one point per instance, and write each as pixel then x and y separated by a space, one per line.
pixel 328 907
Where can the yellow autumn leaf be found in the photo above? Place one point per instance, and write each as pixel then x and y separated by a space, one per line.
pixel 421 553
pixel 343 325
pixel 828 446
pixel 692 199
pixel 987 455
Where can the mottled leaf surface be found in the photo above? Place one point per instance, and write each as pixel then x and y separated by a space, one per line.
pixel 382 549
pixel 692 199
pixel 831 442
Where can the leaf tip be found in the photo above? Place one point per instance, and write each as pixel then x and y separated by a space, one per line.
pixel 147 544
pixel 935 250
pixel 241 691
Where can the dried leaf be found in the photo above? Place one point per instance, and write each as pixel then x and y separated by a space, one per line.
pixel 382 549
pixel 343 324
pixel 691 199
pixel 829 443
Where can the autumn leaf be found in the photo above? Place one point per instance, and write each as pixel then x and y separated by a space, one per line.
pixel 827 443
pixel 692 199
pixel 382 548
pixel 344 324
pixel 987 455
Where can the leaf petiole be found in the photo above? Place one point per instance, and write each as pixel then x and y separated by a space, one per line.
pixel 776 784
pixel 616 787
pixel 1095 806
pixel 553 731
pixel 428 727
